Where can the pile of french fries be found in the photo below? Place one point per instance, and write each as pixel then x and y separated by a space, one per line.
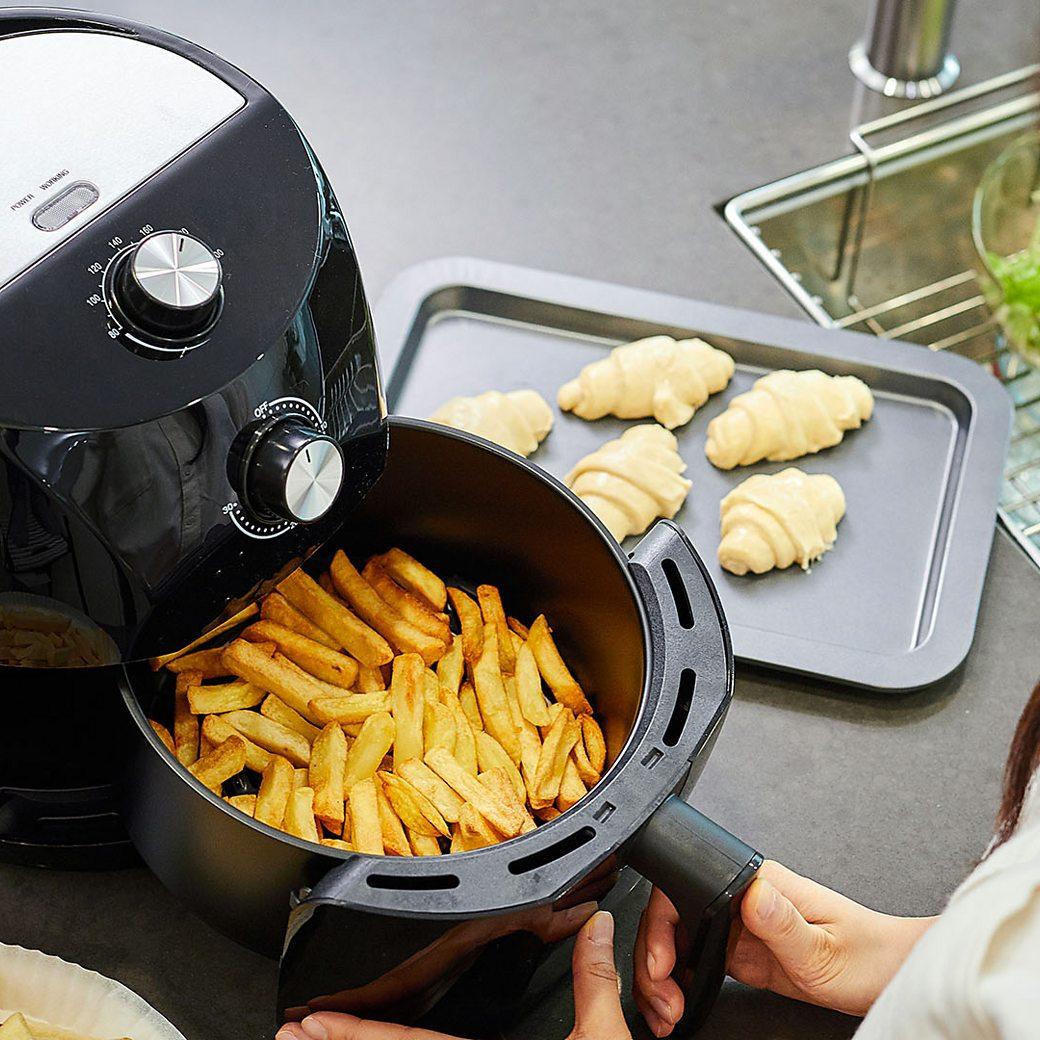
pixel 18 1027
pixel 34 638
pixel 374 727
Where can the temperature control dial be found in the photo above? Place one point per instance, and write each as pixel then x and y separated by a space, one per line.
pixel 168 287
pixel 287 470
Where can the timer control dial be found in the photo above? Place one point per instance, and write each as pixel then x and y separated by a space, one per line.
pixel 287 470
pixel 168 287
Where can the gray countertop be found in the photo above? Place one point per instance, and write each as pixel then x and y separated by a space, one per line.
pixel 594 139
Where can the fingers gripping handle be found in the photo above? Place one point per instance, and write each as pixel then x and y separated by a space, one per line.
pixel 704 870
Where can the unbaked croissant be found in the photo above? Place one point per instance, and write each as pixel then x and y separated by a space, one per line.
pixel 630 481
pixel 774 521
pixel 786 415
pixel 666 378
pixel 518 420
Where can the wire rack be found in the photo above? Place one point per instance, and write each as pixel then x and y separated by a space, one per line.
pixel 880 242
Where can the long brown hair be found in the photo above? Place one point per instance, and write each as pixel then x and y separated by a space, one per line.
pixel 1022 762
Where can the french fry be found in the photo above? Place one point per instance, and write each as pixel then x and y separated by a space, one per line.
pixel 278 609
pixel 185 725
pixel 411 607
pixel 395 841
pixel 329 614
pixel 164 735
pixel 475 832
pixel 519 628
pixel 218 630
pixel 319 660
pixel 410 574
pixel 270 735
pixel 552 761
pixel 277 675
pixel 338 843
pixel 529 688
pixel 15 1027
pixel 205 745
pixel 555 710
pixel 414 808
pixel 325 581
pixel 450 666
pixel 580 758
pixel 216 729
pixel 595 745
pixel 564 686
pixel 351 708
pixel 368 604
pixel 491 755
pixel 369 680
pixel 277 782
pixel 366 831
pixel 465 741
pixel 490 600
pixel 408 705
pixel 245 803
pixel 468 700
pixel 497 780
pixel 427 782
pixel 209 663
pixel 547 813
pixel 366 753
pixel 572 790
pixel 438 727
pixel 423 844
pixel 277 710
pixel 491 696
pixel 502 816
pixel 299 816
pixel 221 764
pixel 221 697
pixel 301 777
pixel 327 764
pixel 472 624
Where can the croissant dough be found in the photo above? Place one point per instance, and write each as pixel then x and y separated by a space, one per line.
pixel 630 481
pixel 659 376
pixel 786 415
pixel 774 521
pixel 519 420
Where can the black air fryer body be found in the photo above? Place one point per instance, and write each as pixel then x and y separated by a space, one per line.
pixel 190 372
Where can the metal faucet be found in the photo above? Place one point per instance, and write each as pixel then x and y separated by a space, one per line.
pixel 905 52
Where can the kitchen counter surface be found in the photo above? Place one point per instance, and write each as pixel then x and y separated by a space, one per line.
pixel 594 139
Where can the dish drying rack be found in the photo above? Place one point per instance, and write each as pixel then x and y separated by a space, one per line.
pixel 879 241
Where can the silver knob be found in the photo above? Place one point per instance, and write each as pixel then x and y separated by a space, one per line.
pixel 314 480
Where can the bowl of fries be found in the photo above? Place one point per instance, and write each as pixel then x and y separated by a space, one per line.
pixel 448 715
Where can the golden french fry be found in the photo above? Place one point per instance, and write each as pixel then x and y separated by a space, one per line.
pixel 218 630
pixel 319 660
pixel 472 624
pixel 369 680
pixel 579 756
pixel 465 741
pixel 595 745
pixel 395 841
pixel 414 609
pixel 414 808
pixel 221 697
pixel 278 609
pixel 519 628
pixel 327 764
pixel 497 780
pixel 490 600
pixel 438 727
pixel 371 744
pixel 572 790
pixel 216 729
pixel 502 816
pixel 450 666
pixel 277 710
pixel 210 663
pixel 555 710
pixel 468 700
pixel 350 708
pixel 491 695
pixel 328 613
pixel 222 763
pixel 408 706
pixel 423 844
pixel 529 688
pixel 491 755
pixel 15 1027
pixel 562 736
pixel 270 735
pixel 276 674
pixel 205 745
pixel 546 813
pixel 299 816
pixel 564 686
pixel 164 735
pixel 277 782
pixel 245 803
pixel 410 574
pixel 338 843
pixel 474 832
pixel 427 782
pixel 185 724
pixel 366 832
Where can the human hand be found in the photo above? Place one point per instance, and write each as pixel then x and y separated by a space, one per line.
pixel 597 1000
pixel 793 936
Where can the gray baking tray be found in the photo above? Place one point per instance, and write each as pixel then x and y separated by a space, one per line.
pixel 893 605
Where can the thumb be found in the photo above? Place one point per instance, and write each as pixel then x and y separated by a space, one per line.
pixel 770 916
pixel 597 989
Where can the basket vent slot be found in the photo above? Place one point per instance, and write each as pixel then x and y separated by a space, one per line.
pixel 413 882
pixel 681 708
pixel 678 591
pixel 573 841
